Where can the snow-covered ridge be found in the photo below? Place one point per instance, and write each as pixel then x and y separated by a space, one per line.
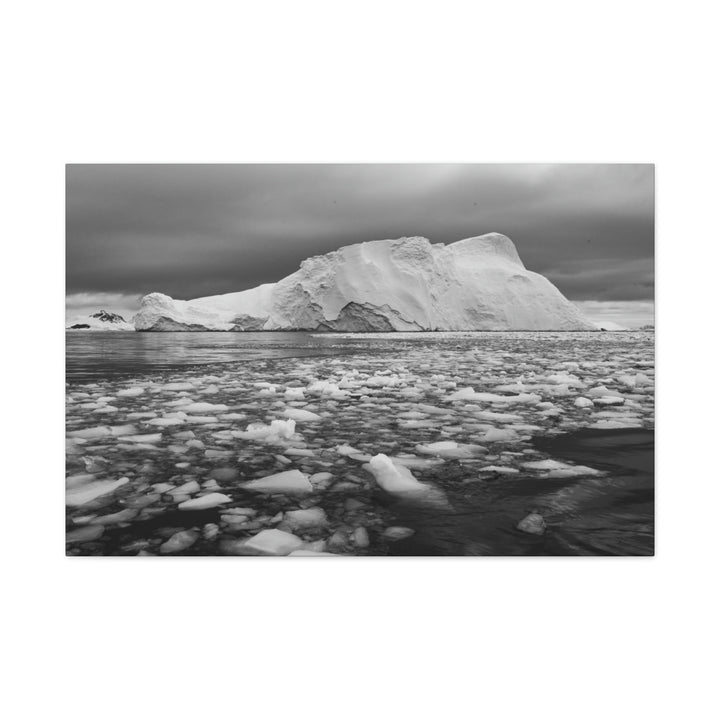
pixel 407 284
pixel 101 320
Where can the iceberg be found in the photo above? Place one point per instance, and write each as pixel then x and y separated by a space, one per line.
pixel 408 284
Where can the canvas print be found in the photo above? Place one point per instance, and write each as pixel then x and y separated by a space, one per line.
pixel 359 360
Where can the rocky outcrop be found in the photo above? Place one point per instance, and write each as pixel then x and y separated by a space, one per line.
pixel 101 320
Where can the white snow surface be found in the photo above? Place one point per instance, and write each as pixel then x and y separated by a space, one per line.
pixel 407 284
pixel 100 320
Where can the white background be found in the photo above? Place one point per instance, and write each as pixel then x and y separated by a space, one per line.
pixel 371 81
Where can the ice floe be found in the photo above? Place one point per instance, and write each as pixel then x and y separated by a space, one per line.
pixel 205 502
pixel 277 430
pixel 290 481
pixel 83 494
pixel 273 542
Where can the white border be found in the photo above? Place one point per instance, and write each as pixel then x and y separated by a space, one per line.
pixel 391 81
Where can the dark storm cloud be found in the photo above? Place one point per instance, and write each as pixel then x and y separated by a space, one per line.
pixel 193 230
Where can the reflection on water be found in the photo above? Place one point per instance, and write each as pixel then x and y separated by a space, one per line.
pixel 93 355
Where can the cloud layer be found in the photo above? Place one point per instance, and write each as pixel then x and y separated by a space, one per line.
pixel 194 230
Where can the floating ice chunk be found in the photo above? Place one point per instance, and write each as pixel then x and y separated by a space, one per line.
pixel 273 542
pixel 91 433
pixel 139 415
pixel 397 532
pixel 232 416
pixel 295 393
pixel 301 452
pixel 467 393
pixel 602 391
pixel 210 531
pixel 213 453
pixel 534 524
pixel 301 415
pixel 394 478
pixel 131 392
pixel 162 487
pixel 545 465
pixel 122 516
pixel 201 419
pixel 609 400
pixel 566 379
pixel 84 534
pixel 305 518
pixel 412 415
pixel 77 496
pixel 167 421
pixel 290 481
pixel 503 469
pixel 180 541
pixel 573 471
pixel 360 537
pixel 178 386
pixel 382 381
pixel 497 417
pixel 278 430
pixel 187 488
pixel 500 435
pixel 411 461
pixel 346 450
pixel 437 447
pixel 151 438
pixel 79 479
pixel 360 457
pixel 432 410
pixel 558 469
pixel 180 402
pixel 583 402
pixel 324 387
pixel 615 424
pixel 205 502
pixel 450 449
pixel 201 407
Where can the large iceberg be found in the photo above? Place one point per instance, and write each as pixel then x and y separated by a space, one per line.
pixel 408 284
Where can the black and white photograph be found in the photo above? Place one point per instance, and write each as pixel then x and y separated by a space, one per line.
pixel 360 359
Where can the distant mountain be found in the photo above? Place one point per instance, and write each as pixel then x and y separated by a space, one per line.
pixel 408 284
pixel 101 320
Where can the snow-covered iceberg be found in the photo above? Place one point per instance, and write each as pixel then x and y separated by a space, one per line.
pixel 408 284
pixel 101 320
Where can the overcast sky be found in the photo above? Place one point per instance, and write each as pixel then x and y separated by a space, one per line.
pixel 194 230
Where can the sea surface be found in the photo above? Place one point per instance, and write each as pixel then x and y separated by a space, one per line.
pixel 494 426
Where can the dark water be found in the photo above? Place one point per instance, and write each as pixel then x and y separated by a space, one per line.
pixel 98 355
pixel 603 515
